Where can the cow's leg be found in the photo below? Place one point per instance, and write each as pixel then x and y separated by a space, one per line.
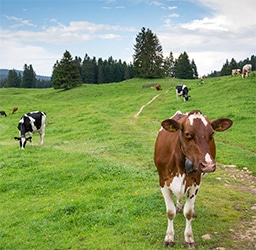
pixel 42 136
pixel 171 212
pixel 30 138
pixel 189 214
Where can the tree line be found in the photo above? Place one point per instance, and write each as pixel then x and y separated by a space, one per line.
pixel 25 80
pixel 148 62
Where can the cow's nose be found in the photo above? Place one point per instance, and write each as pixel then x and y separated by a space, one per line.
pixel 208 167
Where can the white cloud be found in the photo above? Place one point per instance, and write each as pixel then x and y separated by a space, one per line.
pixel 39 57
pixel 228 33
pixel 219 23
pixel 19 22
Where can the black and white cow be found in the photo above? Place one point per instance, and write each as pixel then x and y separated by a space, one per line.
pixel 182 90
pixel 30 123
pixel 2 113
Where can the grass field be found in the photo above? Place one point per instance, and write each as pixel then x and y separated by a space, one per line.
pixel 93 185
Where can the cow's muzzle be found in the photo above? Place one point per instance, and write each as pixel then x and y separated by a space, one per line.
pixel 208 167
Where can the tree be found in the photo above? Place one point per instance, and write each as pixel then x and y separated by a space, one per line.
pixel 66 73
pixel 29 77
pixel 89 70
pixel 169 64
pixel 226 69
pixel 183 68
pixel 148 57
pixel 13 79
pixel 194 69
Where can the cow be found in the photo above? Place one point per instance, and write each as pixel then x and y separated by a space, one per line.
pixel 184 152
pixel 2 113
pixel 14 109
pixel 182 90
pixel 30 123
pixel 158 87
pixel 247 68
pixel 236 72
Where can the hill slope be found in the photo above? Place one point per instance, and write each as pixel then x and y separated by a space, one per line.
pixel 95 178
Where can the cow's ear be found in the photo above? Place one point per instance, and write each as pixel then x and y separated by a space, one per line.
pixel 17 138
pixel 221 124
pixel 170 125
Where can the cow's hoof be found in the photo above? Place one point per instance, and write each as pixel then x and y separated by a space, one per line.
pixel 190 245
pixel 169 244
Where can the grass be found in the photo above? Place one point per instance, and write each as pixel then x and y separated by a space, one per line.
pixel 94 185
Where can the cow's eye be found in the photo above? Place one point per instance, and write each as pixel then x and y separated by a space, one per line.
pixel 188 136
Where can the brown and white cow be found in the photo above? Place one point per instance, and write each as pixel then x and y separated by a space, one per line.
pixel 236 72
pixel 184 152
pixel 247 68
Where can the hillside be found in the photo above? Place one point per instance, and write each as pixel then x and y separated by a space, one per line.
pixel 95 179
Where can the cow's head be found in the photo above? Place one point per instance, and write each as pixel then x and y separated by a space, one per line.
pixel 186 96
pixel 23 140
pixel 196 139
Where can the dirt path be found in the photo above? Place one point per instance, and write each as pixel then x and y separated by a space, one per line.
pixel 143 106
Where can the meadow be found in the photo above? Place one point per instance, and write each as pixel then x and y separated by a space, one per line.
pixel 93 185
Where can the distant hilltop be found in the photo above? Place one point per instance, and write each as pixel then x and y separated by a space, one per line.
pixel 4 75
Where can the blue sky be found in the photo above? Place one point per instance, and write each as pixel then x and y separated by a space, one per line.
pixel 38 32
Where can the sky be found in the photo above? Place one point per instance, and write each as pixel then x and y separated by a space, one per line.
pixel 38 32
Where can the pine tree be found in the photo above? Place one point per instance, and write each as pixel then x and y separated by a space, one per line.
pixel 194 69
pixel 226 69
pixel 169 65
pixel 29 77
pixel 183 68
pixel 13 79
pixel 89 70
pixel 66 73
pixel 148 57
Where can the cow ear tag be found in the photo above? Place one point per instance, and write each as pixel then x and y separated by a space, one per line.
pixel 219 127
pixel 189 166
pixel 172 129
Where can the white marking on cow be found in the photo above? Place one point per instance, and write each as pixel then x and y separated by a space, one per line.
pixel 178 186
pixel 208 158
pixel 197 116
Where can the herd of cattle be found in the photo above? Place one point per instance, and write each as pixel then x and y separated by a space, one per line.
pixel 247 68
pixel 184 152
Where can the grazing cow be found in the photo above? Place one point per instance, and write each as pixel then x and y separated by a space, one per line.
pixel 247 68
pixel 182 90
pixel 184 152
pixel 30 123
pixel 14 109
pixel 158 87
pixel 236 72
pixel 2 113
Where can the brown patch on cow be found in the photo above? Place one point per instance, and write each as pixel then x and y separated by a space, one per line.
pixel 189 214
pixel 170 214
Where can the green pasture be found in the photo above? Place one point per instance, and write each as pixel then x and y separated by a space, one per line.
pixel 93 185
